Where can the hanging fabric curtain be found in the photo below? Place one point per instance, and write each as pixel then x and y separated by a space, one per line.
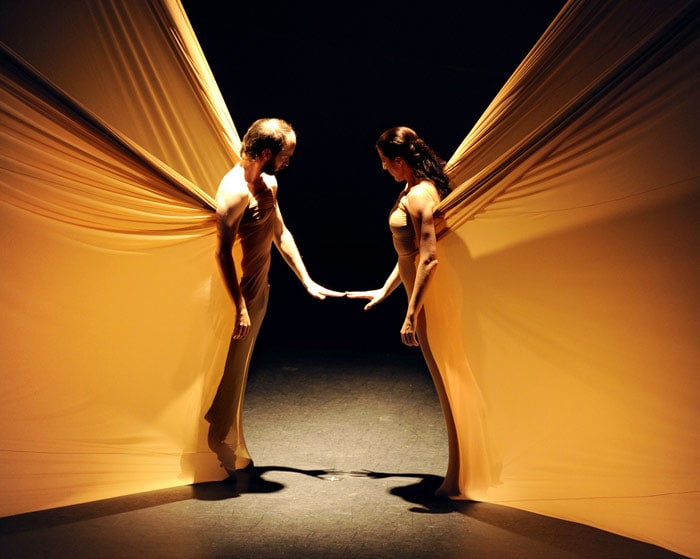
pixel 565 308
pixel 115 328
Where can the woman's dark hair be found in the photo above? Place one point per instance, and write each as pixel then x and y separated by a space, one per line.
pixel 264 133
pixel 403 142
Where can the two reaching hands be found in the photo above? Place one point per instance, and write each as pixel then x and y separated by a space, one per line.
pixel 319 292
pixel 408 330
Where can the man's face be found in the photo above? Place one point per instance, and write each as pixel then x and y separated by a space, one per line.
pixel 280 161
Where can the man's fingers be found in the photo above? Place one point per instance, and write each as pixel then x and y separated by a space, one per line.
pixel 240 332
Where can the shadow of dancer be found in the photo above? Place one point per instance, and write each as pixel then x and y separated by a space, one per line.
pixel 250 480
pixel 421 493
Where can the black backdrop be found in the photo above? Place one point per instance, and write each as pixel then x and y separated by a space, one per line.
pixel 342 73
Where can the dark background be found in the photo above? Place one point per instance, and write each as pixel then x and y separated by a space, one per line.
pixel 342 73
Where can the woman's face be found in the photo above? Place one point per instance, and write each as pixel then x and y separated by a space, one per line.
pixel 395 167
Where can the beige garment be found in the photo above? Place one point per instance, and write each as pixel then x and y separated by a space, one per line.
pixel 225 415
pixel 254 240
pixel 403 233
pixel 472 460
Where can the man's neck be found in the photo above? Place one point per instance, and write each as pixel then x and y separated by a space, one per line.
pixel 252 173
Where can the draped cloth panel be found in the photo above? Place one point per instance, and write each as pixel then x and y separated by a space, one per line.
pixel 569 277
pixel 563 312
pixel 138 67
pixel 115 320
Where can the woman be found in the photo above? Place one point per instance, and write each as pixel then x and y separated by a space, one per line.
pixel 409 160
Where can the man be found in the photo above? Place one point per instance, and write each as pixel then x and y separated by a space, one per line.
pixel 247 209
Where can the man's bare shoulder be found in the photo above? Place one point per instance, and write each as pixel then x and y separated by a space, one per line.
pixel 233 189
pixel 269 180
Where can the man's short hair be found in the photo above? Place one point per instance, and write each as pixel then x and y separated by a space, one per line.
pixel 267 133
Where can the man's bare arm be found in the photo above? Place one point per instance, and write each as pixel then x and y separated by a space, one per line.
pixel 231 204
pixel 284 241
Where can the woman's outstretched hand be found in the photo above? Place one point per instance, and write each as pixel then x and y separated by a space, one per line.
pixel 374 296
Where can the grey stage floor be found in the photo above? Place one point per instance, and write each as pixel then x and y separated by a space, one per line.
pixel 349 447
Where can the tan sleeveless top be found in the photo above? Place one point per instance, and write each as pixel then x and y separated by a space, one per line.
pixel 402 230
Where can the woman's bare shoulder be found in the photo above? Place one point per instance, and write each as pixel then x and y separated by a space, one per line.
pixel 422 194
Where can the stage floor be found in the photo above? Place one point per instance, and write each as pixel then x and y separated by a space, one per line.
pixel 349 447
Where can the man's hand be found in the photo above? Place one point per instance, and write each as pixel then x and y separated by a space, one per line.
pixel 319 292
pixel 242 326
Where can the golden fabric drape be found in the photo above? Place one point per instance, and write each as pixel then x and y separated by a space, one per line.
pixel 115 322
pixel 564 311
pixel 569 276
pixel 139 68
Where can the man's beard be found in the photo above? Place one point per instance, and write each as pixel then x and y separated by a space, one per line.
pixel 269 168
